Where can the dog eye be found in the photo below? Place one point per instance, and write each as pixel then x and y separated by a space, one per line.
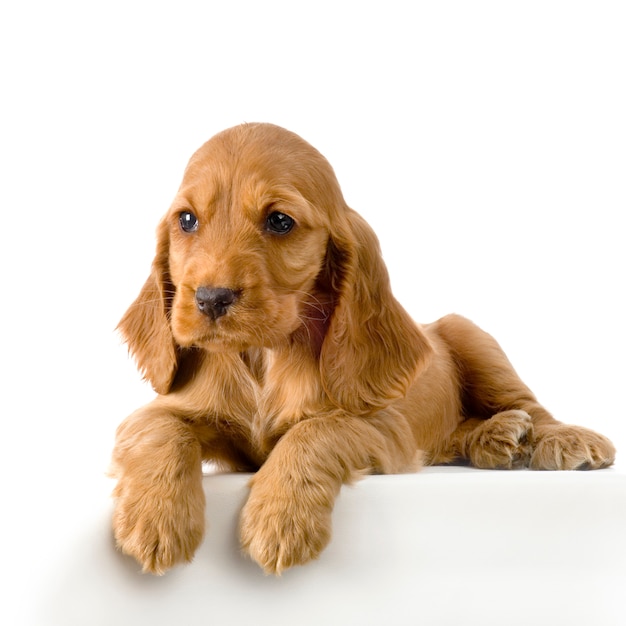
pixel 188 221
pixel 279 223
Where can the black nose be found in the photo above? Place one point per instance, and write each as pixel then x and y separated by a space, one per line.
pixel 215 301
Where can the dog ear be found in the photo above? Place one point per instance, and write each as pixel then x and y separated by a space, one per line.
pixel 145 326
pixel 372 350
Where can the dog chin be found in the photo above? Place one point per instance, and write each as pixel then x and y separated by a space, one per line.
pixel 217 343
pixel 223 343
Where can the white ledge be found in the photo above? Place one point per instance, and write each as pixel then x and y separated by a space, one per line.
pixel 444 546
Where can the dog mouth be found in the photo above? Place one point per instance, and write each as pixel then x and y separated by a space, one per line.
pixel 220 319
pixel 192 328
pixel 240 327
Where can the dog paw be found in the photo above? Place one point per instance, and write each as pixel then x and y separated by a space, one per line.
pixel 502 442
pixel 281 527
pixel 158 530
pixel 563 447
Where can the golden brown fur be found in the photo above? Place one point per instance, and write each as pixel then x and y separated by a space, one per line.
pixel 313 375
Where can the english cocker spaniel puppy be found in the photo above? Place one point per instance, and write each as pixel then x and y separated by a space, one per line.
pixel 268 329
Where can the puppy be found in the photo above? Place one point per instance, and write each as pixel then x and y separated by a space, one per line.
pixel 268 329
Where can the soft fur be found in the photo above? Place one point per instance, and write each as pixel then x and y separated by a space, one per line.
pixel 313 376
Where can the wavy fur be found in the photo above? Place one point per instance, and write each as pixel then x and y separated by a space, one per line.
pixel 313 376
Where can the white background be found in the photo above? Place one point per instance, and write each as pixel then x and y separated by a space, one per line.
pixel 484 141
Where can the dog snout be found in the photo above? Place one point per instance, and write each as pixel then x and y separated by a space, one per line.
pixel 214 302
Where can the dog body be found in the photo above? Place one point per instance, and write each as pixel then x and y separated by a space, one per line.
pixel 270 333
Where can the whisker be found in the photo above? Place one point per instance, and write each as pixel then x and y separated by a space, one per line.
pixel 312 302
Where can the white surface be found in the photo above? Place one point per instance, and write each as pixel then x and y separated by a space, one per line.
pixel 483 140
pixel 445 546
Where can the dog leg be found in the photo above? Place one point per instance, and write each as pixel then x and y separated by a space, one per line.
pixel 159 513
pixel 492 389
pixel 287 518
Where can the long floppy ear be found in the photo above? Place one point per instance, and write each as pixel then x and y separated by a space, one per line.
pixel 372 349
pixel 145 326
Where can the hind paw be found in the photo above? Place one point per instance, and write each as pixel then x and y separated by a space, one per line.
pixel 502 442
pixel 563 447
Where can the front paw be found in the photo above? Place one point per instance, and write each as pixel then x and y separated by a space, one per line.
pixel 282 527
pixel 563 447
pixel 157 527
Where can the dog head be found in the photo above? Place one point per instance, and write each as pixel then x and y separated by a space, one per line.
pixel 259 250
